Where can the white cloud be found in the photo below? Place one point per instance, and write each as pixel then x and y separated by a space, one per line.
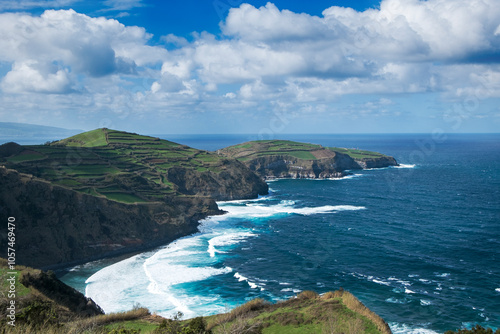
pixel 264 59
pixel 33 77
pixel 75 43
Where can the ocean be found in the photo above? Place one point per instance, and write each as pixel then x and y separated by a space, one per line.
pixel 419 244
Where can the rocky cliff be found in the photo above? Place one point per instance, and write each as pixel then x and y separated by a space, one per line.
pixel 286 159
pixel 56 225
pixel 106 192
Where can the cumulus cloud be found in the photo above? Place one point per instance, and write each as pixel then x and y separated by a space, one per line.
pixel 405 46
pixel 265 57
pixel 33 77
pixel 73 42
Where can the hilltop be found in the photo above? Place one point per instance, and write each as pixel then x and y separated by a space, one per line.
pixel 289 159
pixel 132 168
pixel 107 192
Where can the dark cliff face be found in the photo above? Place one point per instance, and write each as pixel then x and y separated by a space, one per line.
pixel 233 181
pixel 380 162
pixel 285 166
pixel 55 225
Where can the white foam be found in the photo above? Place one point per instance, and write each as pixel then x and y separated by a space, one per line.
pixel 442 275
pixel 381 282
pixel 395 301
pixel 425 302
pixel 252 285
pixel 405 329
pixel 347 177
pixel 497 289
pixel 409 291
pixel 240 277
pixel 226 239
pixel 258 210
pixel 405 166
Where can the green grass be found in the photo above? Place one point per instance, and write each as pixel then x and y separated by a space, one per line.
pixel 141 325
pixel 20 290
pixel 260 148
pixel 92 138
pixel 123 197
pixel 26 157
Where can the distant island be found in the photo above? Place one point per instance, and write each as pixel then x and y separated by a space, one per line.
pixel 107 192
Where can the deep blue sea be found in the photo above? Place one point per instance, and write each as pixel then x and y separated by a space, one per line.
pixel 418 244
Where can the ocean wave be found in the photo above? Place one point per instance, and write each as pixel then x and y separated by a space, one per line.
pixel 226 239
pixel 497 289
pixel 405 166
pixel 397 328
pixel 393 300
pixel 252 284
pixel 252 210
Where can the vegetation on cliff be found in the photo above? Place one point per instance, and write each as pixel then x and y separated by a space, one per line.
pixel 131 168
pixel 46 305
pixel 283 158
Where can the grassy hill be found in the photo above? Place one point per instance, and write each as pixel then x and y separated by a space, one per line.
pixel 289 159
pixel 107 192
pixel 305 151
pixel 120 166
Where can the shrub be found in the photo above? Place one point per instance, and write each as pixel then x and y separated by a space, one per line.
pixel 476 330
pixel 308 295
pixel 38 313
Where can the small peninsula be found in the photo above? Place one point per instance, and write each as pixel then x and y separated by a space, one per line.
pixel 288 159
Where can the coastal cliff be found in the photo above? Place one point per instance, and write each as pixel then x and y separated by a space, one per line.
pixel 108 192
pixel 56 225
pixel 287 159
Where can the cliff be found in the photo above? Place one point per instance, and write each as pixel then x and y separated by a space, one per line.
pixel 41 298
pixel 107 192
pixel 56 225
pixel 287 159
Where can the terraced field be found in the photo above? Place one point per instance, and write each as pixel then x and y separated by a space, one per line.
pixel 121 166
pixel 304 151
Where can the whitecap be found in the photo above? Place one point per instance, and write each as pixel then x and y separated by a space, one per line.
pixel 393 300
pixel 381 282
pixel 442 275
pixel 406 329
pixel 497 289
pixel 226 239
pixel 425 302
pixel 405 166
pixel 258 210
pixel 409 291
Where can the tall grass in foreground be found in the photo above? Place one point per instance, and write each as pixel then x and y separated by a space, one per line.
pixel 93 325
pixel 355 305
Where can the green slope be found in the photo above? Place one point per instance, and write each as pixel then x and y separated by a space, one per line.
pixel 305 151
pixel 121 166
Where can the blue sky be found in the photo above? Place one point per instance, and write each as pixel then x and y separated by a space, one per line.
pixel 229 66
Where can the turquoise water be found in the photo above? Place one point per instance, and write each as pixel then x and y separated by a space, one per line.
pixel 419 244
